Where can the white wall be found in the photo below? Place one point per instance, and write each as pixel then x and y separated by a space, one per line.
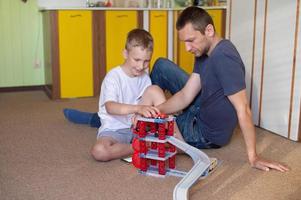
pixel 276 79
pixel 280 38
pixel 296 105
pixel 241 34
pixel 61 3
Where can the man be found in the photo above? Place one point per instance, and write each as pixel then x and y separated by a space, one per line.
pixel 213 98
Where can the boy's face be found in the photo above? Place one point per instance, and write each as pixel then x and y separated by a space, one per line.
pixel 195 42
pixel 137 60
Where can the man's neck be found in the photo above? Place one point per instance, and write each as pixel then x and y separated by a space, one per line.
pixel 214 42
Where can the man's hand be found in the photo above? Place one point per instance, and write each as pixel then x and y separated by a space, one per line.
pixel 266 165
pixel 147 111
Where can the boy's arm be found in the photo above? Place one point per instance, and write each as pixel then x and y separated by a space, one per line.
pixel 240 102
pixel 115 108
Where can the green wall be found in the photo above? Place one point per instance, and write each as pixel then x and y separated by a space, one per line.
pixel 21 44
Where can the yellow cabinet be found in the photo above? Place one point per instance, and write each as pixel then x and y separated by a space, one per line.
pixel 159 30
pixel 186 59
pixel 118 24
pixel 218 16
pixel 81 46
pixel 75 53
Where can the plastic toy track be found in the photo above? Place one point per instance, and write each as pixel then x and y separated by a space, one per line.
pixel 200 167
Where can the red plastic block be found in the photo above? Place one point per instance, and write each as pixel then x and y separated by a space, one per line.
pixel 153 128
pixel 161 131
pixel 143 148
pixel 136 160
pixel 172 162
pixel 136 144
pixel 143 164
pixel 170 130
pixel 161 168
pixel 161 150
pixel 171 148
pixel 141 128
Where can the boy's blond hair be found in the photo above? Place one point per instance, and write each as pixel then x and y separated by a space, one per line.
pixel 139 38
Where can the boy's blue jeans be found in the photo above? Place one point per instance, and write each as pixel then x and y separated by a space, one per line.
pixel 168 76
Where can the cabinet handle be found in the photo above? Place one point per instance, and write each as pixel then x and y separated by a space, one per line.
pixel 120 16
pixel 159 16
pixel 78 15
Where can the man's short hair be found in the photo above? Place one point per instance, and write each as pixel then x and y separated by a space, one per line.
pixel 139 38
pixel 197 16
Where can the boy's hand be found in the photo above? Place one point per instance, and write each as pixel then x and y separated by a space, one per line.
pixel 147 111
pixel 144 111
pixel 134 121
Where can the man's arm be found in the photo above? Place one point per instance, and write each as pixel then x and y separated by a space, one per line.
pixel 115 108
pixel 184 97
pixel 240 102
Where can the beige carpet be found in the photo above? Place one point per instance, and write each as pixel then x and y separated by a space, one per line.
pixel 43 156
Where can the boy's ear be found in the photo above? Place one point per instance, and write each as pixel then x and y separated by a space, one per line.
pixel 125 53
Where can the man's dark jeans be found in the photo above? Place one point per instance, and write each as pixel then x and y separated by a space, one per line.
pixel 168 76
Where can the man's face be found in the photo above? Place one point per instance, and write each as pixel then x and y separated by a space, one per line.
pixel 195 42
pixel 137 60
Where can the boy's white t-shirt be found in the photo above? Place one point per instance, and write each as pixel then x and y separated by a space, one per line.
pixel 117 86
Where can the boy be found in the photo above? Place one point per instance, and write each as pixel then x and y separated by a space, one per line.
pixel 126 90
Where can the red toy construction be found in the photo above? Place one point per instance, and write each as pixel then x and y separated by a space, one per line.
pixel 155 150
pixel 152 152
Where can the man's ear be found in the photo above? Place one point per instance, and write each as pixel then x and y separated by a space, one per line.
pixel 125 54
pixel 209 31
